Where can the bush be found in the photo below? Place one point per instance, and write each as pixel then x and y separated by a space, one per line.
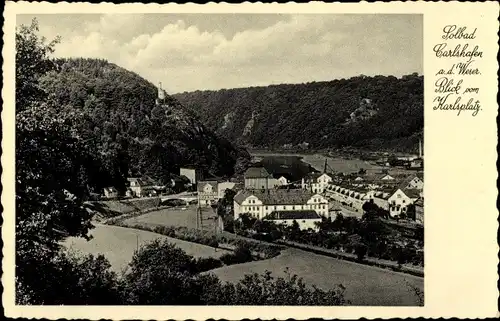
pixel 241 255
pixel 208 238
pixel 206 264
pixel 360 251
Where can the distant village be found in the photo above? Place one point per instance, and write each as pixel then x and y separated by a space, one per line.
pixel 274 196
pixel 281 196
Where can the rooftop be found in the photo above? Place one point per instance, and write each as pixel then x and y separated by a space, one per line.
pixel 256 172
pixel 276 196
pixel 412 193
pixel 143 181
pixel 293 215
pixel 202 184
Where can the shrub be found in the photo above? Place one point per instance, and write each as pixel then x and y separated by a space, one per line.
pixel 360 251
pixel 206 264
pixel 241 255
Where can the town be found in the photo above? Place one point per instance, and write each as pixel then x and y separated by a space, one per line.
pixel 293 193
pixel 275 195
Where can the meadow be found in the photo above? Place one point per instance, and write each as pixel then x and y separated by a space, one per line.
pixel 118 245
pixel 176 216
pixel 337 164
pixel 365 285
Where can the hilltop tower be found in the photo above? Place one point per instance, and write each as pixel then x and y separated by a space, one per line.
pixel 161 95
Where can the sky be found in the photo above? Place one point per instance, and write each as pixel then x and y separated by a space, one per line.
pixel 188 52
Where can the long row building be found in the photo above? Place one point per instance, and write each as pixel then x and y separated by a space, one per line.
pixel 389 193
pixel 282 206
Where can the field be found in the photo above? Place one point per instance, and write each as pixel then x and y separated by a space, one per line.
pixel 317 161
pixel 365 285
pixel 176 217
pixel 118 245
pixel 339 164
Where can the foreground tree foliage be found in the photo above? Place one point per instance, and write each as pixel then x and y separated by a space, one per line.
pixel 54 172
pixel 161 274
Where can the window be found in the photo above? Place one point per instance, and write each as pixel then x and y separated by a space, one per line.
pixel 266 208
pixel 404 201
pixel 399 195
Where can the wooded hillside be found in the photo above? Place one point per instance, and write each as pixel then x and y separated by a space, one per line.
pixel 381 112
pixel 117 114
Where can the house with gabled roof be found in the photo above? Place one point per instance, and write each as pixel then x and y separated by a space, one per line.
pixel 259 178
pixel 110 192
pixel 142 186
pixel 386 177
pixel 411 182
pixel 316 182
pixel 208 192
pixel 400 199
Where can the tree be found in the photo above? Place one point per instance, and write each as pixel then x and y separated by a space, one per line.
pixel 160 273
pixel 68 278
pixel 32 61
pixel 266 289
pixel 54 169
pixel 362 171
pixel 360 251
pixel 293 231
pixel 247 221
pixel 225 204
pixel 411 212
pixel 157 277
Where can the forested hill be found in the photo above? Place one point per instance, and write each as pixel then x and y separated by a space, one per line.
pixel 132 135
pixel 366 112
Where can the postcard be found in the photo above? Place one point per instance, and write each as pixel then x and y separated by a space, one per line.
pixel 230 161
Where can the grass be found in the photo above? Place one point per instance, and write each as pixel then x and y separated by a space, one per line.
pixel 118 245
pixel 365 285
pixel 175 217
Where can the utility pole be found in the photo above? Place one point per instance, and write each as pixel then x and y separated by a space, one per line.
pixel 198 210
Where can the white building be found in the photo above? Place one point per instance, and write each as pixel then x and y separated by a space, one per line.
pixel 142 187
pixel 110 192
pixel 261 203
pixel 400 200
pixel 282 181
pixel 193 174
pixel 207 192
pixel 316 182
pixel 306 219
